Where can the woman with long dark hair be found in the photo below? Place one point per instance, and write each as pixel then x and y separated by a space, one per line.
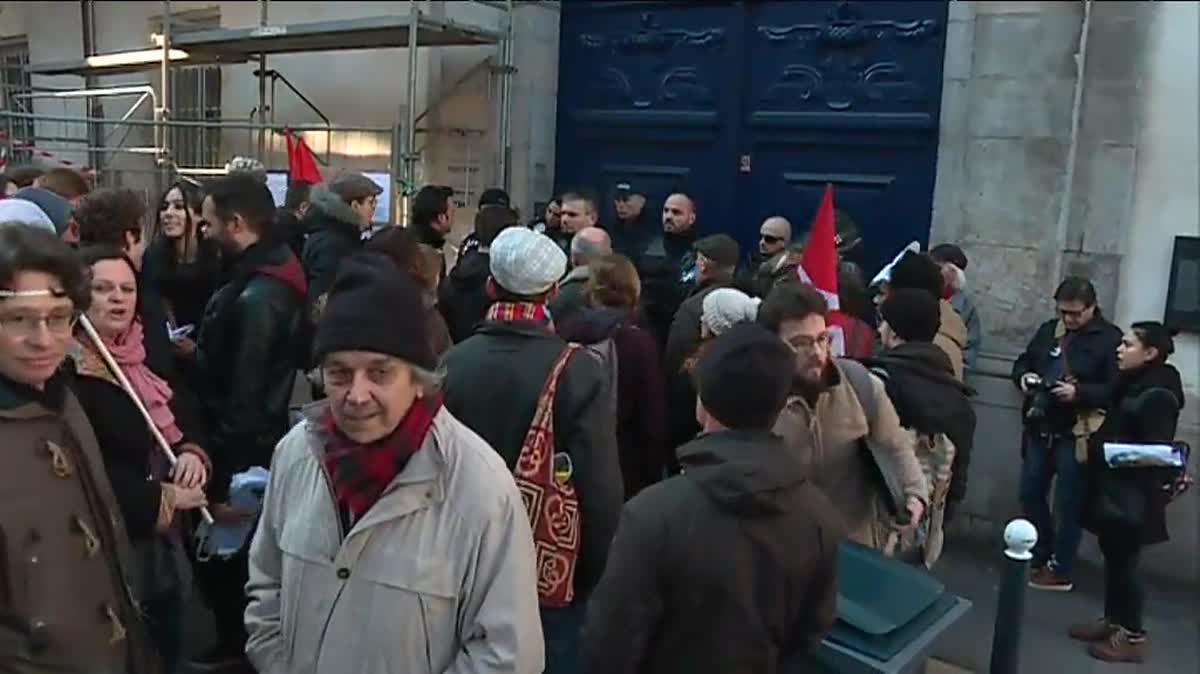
pixel 1127 506
pixel 181 264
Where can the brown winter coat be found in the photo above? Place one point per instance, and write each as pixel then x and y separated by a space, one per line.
pixel 828 437
pixel 952 338
pixel 65 604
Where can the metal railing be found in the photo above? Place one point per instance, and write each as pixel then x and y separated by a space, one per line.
pixel 134 152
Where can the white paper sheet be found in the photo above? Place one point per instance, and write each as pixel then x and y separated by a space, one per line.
pixel 1117 455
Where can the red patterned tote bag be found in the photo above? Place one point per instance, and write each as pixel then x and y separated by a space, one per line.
pixel 550 500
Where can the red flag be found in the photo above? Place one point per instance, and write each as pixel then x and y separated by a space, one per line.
pixel 819 267
pixel 301 163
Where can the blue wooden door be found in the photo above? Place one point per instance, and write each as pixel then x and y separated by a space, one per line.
pixel 754 106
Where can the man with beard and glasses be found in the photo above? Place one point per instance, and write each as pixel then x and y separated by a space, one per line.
pixel 931 403
pixel 841 421
pixel 245 366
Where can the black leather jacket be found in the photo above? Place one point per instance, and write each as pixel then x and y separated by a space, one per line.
pixel 246 362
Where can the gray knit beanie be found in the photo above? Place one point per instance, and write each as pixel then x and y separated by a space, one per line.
pixel 724 308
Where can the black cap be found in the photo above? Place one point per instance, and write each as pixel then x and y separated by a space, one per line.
pixel 625 189
pixel 918 270
pixel 494 196
pixel 744 378
pixel 353 320
pixel 720 248
pixel 913 314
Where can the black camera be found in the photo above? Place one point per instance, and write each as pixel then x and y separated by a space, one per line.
pixel 1040 401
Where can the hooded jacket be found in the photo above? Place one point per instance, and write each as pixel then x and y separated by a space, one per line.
pixel 331 232
pixel 729 567
pixel 929 400
pixel 641 399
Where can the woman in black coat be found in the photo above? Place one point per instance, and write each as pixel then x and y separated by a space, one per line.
pixel 150 494
pixel 1127 506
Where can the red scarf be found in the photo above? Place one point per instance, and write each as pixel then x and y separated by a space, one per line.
pixel 360 473
pixel 510 312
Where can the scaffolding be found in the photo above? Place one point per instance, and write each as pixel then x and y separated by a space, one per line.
pixel 415 28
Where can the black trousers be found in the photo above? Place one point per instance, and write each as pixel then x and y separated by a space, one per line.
pixel 1124 595
pixel 223 585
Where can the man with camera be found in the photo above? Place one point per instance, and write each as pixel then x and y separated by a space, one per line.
pixel 1066 374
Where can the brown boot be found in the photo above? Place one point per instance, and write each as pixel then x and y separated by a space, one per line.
pixel 1046 578
pixel 1098 630
pixel 1122 646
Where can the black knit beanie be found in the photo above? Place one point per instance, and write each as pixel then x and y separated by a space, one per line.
pixel 918 270
pixel 744 377
pixel 373 306
pixel 913 314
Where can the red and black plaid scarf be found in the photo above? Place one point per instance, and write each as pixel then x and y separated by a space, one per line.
pixel 511 312
pixel 359 473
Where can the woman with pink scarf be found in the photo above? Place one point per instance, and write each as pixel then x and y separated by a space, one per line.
pixel 149 491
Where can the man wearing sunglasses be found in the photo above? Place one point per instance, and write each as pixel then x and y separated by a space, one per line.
pixel 773 260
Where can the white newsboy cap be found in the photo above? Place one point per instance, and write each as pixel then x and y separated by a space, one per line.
pixel 526 263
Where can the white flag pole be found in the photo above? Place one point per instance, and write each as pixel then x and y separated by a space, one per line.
pixel 124 381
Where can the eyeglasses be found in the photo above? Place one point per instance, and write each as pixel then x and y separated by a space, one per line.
pixel 767 238
pixel 806 343
pixel 26 324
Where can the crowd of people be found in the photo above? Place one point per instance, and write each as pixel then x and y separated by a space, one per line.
pixel 597 442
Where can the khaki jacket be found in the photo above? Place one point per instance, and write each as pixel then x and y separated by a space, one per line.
pixel 952 337
pixel 437 577
pixel 65 564
pixel 828 437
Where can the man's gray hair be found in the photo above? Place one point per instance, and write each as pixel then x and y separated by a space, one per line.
pixel 588 244
pixel 428 380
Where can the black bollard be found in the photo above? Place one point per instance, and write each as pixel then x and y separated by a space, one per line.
pixel 1019 538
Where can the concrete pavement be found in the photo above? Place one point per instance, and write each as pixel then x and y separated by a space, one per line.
pixel 1172 621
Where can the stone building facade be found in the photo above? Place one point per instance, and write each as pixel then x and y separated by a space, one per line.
pixel 1068 145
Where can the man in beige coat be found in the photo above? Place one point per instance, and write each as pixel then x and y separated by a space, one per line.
pixel 392 538
pixel 842 423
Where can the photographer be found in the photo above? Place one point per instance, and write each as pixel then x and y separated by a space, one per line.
pixel 1066 374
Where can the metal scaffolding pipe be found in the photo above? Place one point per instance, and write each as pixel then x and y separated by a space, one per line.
pixel 187 123
pixel 262 86
pixel 161 108
pixel 410 132
pixel 507 51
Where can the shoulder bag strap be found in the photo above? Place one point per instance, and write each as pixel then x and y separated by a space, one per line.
pixel 541 427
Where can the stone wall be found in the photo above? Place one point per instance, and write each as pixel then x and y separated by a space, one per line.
pixel 1047 124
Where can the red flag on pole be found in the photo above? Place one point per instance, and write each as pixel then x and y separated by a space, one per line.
pixel 301 163
pixel 819 267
